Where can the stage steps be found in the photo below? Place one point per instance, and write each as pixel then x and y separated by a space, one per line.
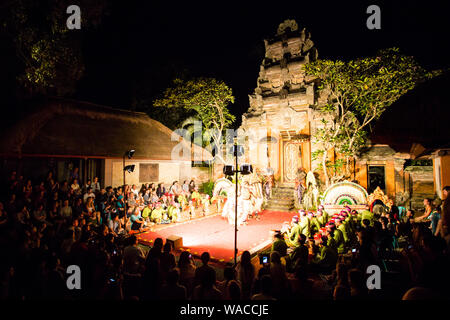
pixel 283 198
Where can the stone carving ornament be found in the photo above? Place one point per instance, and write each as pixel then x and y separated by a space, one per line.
pixel 292 24
pixel 291 157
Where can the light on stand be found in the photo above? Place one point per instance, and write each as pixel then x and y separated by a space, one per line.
pixel 129 168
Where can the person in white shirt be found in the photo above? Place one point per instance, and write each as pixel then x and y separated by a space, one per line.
pixel 88 194
pixel 133 257
pixel 95 185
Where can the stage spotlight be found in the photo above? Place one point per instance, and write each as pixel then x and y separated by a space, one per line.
pixel 129 168
pixel 228 170
pixel 246 169
pixel 130 153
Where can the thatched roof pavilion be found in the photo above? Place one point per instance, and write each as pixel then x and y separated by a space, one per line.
pixel 58 127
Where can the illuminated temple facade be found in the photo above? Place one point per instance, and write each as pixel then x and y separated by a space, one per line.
pixel 280 119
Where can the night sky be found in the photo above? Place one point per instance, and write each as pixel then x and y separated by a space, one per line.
pixel 141 46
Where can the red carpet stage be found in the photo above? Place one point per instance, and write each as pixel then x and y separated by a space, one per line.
pixel 215 235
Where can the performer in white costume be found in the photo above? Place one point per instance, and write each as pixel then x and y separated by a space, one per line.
pixel 250 199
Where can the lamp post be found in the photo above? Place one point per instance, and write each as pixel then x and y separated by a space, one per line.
pixel 230 170
pixel 129 168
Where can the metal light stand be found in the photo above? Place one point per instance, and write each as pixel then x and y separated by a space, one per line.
pixel 236 204
pixel 128 154
pixel 229 170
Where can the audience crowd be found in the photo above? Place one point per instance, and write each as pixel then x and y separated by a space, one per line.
pixel 47 227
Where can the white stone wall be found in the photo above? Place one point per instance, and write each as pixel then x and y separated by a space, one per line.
pixel 169 171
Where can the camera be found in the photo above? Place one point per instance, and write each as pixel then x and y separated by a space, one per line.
pixel 264 258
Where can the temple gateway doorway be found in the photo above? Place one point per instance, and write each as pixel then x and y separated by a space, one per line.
pixel 292 160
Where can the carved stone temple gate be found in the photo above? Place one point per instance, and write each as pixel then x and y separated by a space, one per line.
pixel 295 155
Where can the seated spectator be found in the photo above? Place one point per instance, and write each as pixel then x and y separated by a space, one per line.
pixel 419 293
pixel 341 293
pixel 75 187
pixel 173 290
pixel 229 274
pixel 299 256
pixel 326 260
pixel 266 289
pixel 66 211
pixel 88 194
pixel 78 209
pixel 115 225
pixel 233 292
pixel 207 290
pixel 279 244
pixel 23 216
pixel 358 288
pixel 137 223
pixel 93 214
pixel 40 215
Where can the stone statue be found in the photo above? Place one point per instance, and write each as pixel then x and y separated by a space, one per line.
pixel 311 196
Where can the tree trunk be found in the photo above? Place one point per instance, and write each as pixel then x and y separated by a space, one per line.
pixel 347 168
pixel 324 166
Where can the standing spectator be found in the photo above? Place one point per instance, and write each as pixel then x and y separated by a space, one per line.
pixel 167 260
pixel 191 186
pixel 160 190
pixel 435 217
pixel 446 213
pixel 187 271
pixel 95 185
pixel 75 175
pixel 152 276
pixel 133 257
pixel 202 270
pixel 185 187
pixel 246 274
pixel 278 275
pixel 299 190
